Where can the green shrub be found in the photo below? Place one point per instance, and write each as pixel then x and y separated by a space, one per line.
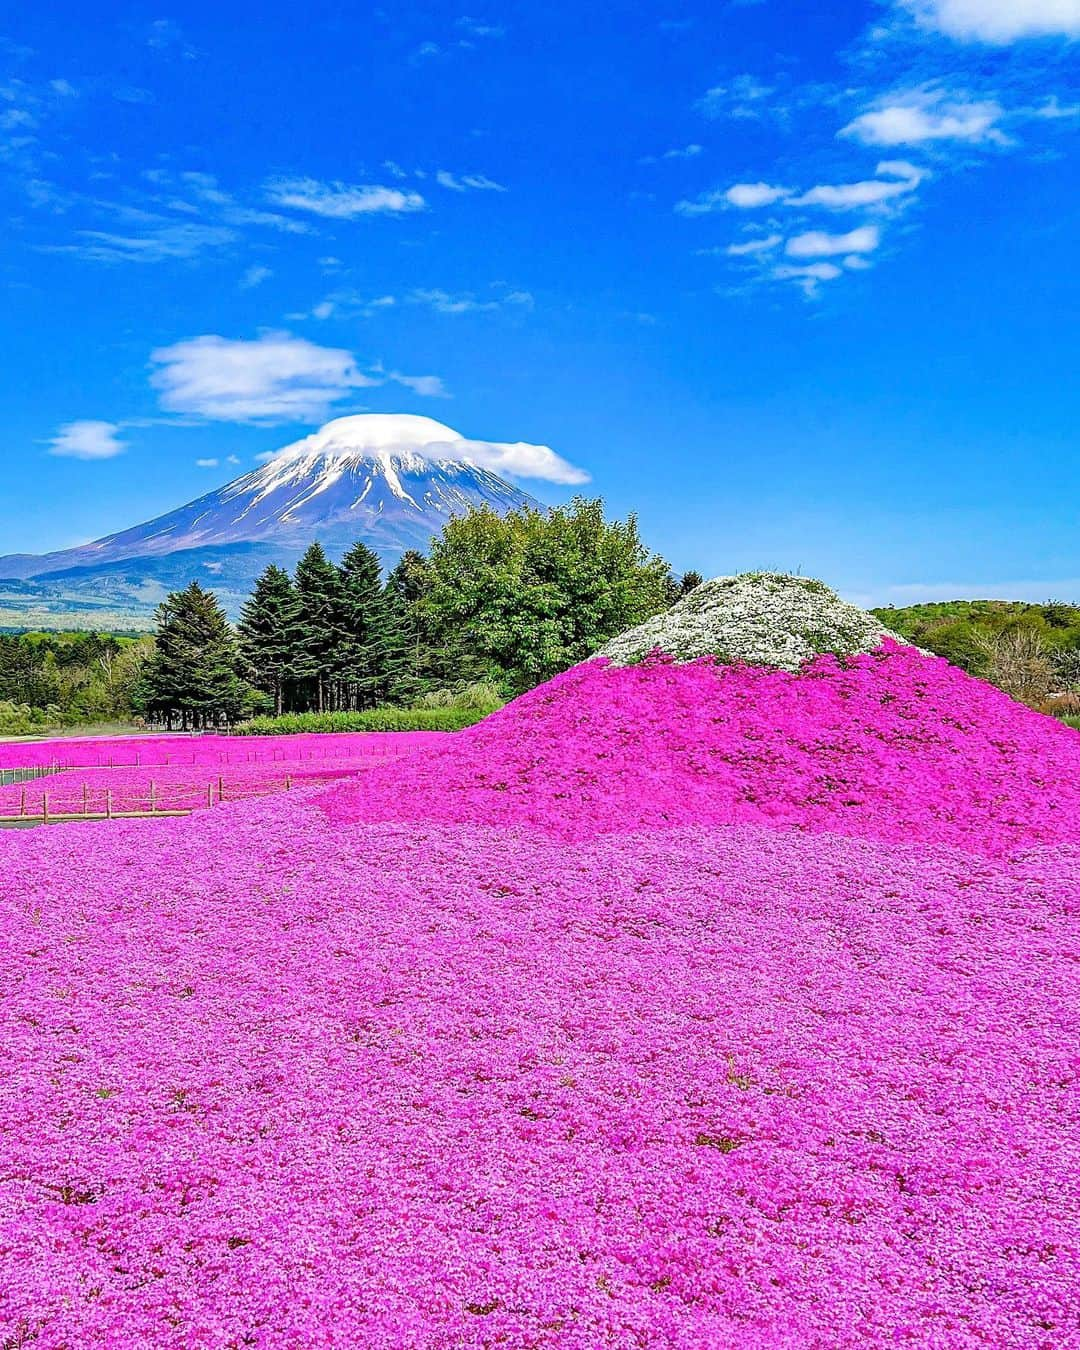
pixel 375 719
pixel 482 696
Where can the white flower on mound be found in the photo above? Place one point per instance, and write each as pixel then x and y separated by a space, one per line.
pixel 761 618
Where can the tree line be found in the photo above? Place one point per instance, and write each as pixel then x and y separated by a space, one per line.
pixel 510 599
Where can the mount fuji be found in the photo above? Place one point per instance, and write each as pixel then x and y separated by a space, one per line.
pixel 390 480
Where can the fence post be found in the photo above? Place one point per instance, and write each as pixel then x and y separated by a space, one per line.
pixel 44 808
pixel 210 794
pixel 153 803
pixel 220 788
pixel 22 803
pixel 288 782
pixel 85 800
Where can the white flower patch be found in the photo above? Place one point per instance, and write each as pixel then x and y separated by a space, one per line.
pixel 760 618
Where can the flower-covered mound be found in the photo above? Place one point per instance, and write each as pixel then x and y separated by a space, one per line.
pixel 597 1025
pixel 893 745
pixel 760 618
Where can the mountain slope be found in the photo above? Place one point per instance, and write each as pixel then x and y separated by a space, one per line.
pixel 392 481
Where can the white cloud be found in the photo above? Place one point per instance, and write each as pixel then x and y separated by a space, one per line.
pixel 999 21
pixel 255 276
pixel 808 278
pixel 516 458
pixel 87 440
pixel 921 116
pixel 207 463
pixel 478 182
pixel 746 195
pixel 274 378
pixel 1053 109
pixel 743 195
pixel 341 201
pixel 427 386
pixel 818 244
pixel 896 178
pixel 752 247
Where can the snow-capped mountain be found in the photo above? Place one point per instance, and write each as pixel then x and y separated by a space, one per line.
pixel 390 480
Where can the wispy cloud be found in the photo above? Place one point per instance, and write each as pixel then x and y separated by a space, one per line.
pixel 476 182
pixel 346 304
pixel 159 241
pixel 744 96
pixel 754 247
pixel 255 276
pixel 342 201
pixel 921 115
pixel 479 28
pixel 427 386
pixel 896 178
pixel 166 35
pixel 444 302
pixel 87 440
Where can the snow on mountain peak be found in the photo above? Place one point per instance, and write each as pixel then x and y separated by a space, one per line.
pixel 405 440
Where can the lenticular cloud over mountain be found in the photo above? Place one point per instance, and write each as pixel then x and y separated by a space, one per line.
pixel 386 435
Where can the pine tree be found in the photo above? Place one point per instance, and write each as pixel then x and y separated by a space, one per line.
pixel 362 653
pixel 408 656
pixel 318 591
pixel 270 633
pixel 194 672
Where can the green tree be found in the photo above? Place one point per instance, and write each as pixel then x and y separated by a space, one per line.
pixel 321 632
pixel 269 633
pixel 364 650
pixel 194 673
pixel 520 597
pixel 682 586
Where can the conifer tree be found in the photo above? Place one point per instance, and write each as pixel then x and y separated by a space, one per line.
pixel 194 673
pixel 408 658
pixel 320 629
pixel 270 633
pixel 362 653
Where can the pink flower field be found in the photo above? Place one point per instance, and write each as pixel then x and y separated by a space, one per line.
pixel 672 1006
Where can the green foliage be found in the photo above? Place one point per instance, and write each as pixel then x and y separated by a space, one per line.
pixel 194 673
pixel 1028 650
pixel 371 719
pixel 522 596
pixel 269 633
pixel 68 679
pixel 321 620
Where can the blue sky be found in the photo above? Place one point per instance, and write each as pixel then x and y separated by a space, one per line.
pixel 798 287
